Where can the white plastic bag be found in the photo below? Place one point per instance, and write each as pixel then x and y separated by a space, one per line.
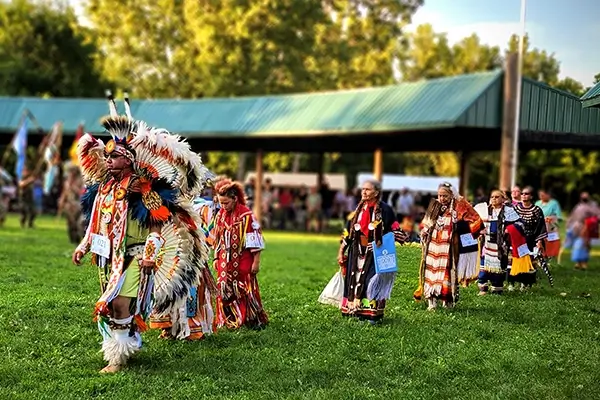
pixel 334 291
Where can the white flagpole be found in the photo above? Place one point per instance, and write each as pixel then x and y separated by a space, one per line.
pixel 515 154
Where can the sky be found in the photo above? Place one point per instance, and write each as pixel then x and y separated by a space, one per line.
pixel 569 29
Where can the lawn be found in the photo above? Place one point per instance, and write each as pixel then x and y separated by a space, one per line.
pixel 543 344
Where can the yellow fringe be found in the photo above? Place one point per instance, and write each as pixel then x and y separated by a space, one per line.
pixel 521 265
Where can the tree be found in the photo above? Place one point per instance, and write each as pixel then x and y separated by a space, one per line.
pixel 571 85
pixel 144 47
pixel 43 51
pixel 537 64
pixel 430 55
pixel 359 42
pixel 470 55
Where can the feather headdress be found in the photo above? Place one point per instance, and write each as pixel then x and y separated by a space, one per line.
pixel 156 153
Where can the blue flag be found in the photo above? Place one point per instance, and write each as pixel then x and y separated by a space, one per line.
pixel 20 146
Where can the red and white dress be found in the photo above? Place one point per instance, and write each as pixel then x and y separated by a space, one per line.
pixel 237 237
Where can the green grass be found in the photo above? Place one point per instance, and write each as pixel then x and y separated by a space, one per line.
pixel 532 345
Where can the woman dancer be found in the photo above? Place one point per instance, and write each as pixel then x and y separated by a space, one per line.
pixel 496 252
pixel 238 246
pixel 535 236
pixel 366 291
pixel 450 231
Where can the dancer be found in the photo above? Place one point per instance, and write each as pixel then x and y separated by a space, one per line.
pixel 535 235
pixel 450 246
pixel 497 254
pixel 142 234
pixel 582 226
pixel 27 198
pixel 552 215
pixel 238 245
pixel 69 203
pixel 365 290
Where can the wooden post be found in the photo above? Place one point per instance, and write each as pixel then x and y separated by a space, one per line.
pixel 241 170
pixel 258 185
pixel 320 170
pixel 464 173
pixel 508 120
pixel 378 165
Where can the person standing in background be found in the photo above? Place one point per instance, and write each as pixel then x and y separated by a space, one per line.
pixel 552 215
pixel 27 198
pixel 515 195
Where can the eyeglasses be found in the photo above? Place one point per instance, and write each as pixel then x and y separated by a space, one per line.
pixel 526 194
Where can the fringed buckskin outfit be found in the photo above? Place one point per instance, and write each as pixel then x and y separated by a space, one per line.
pixel 141 217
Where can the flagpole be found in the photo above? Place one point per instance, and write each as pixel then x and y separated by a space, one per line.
pixel 517 127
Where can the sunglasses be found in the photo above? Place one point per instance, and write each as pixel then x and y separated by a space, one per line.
pixel 113 156
pixel 526 194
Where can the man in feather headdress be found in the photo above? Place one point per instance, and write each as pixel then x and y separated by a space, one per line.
pixel 141 231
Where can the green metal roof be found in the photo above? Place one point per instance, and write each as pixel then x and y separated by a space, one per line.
pixel 437 103
pixel 546 109
pixel 592 97
pixel 466 101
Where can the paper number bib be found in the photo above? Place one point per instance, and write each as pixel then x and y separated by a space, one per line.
pixel 100 245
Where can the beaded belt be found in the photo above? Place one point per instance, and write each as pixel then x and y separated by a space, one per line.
pixel 135 250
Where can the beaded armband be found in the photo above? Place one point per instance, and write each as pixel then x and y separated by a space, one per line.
pixel 154 243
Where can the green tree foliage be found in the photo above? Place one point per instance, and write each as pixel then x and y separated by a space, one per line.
pixel 537 64
pixel 44 52
pixel 359 42
pixel 430 55
pixel 571 85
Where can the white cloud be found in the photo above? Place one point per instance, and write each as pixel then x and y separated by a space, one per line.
pixel 494 33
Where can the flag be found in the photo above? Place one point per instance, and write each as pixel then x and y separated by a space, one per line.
pixel 20 146
pixel 73 150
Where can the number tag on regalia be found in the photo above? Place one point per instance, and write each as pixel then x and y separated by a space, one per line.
pixel 385 256
pixel 553 236
pixel 254 241
pixel 100 245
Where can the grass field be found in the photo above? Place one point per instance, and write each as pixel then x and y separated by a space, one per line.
pixel 534 345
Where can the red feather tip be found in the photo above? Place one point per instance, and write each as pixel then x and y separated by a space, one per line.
pixel 145 185
pixel 160 214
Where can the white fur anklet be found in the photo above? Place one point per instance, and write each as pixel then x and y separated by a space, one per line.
pixel 120 346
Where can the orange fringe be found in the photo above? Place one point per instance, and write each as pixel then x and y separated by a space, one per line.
pixel 141 324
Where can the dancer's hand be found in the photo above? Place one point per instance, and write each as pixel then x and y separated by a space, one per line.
pixel 400 236
pixel 255 268
pixel 148 266
pixel 340 258
pixel 77 256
